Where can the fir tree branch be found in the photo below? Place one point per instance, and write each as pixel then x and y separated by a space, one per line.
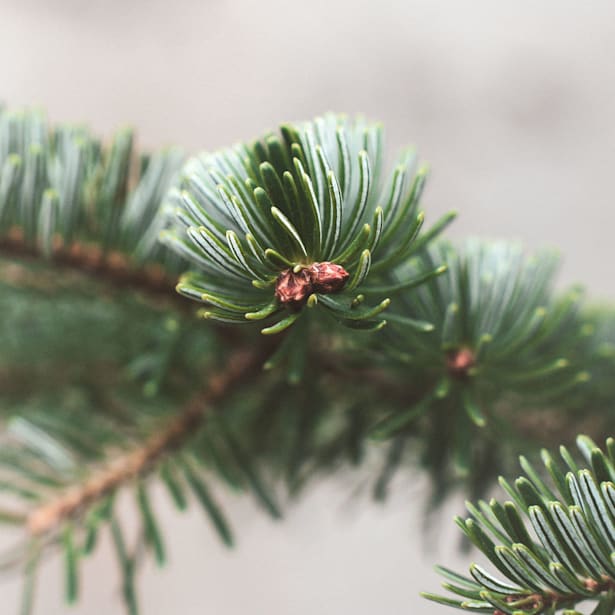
pixel 138 462
pixel 114 267
pixel 299 224
pixel 553 542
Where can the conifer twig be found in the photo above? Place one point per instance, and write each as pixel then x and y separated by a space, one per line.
pixel 112 267
pixel 138 462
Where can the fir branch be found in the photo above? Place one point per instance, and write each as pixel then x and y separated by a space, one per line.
pixel 61 187
pixel 502 345
pixel 138 462
pixel 554 543
pixel 113 268
pixel 272 230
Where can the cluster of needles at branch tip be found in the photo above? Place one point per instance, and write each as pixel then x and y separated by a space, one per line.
pixel 302 217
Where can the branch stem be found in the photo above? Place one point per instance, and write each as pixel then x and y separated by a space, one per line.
pixel 138 462
pixel 113 267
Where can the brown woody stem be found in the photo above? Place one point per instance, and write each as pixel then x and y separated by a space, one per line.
pixel 138 462
pixel 112 267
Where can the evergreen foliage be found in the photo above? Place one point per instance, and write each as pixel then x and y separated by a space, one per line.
pixel 553 542
pixel 504 343
pixel 109 382
pixel 256 215
pixel 60 184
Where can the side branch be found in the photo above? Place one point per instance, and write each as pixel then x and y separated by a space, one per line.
pixel 112 267
pixel 138 462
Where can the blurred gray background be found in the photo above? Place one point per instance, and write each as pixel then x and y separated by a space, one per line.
pixel 513 104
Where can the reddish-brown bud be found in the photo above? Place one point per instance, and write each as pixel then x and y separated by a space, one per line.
pixel 292 288
pixel 327 277
pixel 459 362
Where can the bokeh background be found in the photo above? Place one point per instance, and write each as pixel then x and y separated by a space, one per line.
pixel 513 104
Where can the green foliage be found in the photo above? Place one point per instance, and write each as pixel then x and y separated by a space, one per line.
pixel 313 194
pixel 108 382
pixel 502 343
pixel 499 327
pixel 62 183
pixel 73 403
pixel 553 542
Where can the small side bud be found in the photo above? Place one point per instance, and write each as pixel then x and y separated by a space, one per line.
pixel 459 362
